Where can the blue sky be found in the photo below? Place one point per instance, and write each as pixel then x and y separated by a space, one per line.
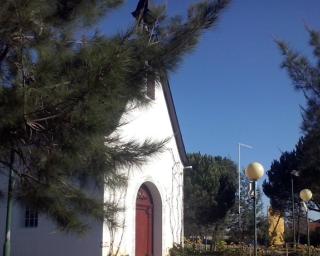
pixel 231 88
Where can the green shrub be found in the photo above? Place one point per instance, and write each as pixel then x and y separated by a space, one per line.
pixel 238 250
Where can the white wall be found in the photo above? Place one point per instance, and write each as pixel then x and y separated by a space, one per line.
pixel 46 239
pixel 164 171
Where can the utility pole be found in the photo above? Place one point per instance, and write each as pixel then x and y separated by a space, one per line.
pixel 239 180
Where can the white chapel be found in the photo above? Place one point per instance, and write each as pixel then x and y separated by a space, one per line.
pixel 152 219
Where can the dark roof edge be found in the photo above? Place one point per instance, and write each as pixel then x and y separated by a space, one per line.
pixel 173 118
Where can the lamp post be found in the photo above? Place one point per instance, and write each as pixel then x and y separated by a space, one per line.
pixel 7 239
pixel 294 173
pixel 185 168
pixel 306 195
pixel 254 172
pixel 239 180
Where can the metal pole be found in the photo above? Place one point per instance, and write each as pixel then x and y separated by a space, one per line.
pixel 182 215
pixel 308 232
pixel 298 235
pixel 7 241
pixel 182 207
pixel 239 189
pixel 293 219
pixel 239 183
pixel 255 219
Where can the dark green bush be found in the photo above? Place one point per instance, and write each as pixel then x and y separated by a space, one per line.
pixel 234 250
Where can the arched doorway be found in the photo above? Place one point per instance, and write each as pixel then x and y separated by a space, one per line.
pixel 144 222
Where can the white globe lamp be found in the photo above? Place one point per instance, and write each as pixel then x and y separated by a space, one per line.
pixel 254 171
pixel 305 195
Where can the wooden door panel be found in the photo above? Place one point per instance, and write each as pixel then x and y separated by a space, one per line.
pixel 144 223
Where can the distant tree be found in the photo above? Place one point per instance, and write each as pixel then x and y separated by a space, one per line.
pixel 278 185
pixel 305 76
pixel 209 193
pixel 243 231
pixel 62 98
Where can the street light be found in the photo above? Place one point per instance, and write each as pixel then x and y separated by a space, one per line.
pixel 239 180
pixel 294 173
pixel 254 172
pixel 7 240
pixel 306 195
pixel 185 168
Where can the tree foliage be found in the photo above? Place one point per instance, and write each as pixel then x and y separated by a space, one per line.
pixel 61 98
pixel 305 75
pixel 278 185
pixel 209 192
pixel 242 231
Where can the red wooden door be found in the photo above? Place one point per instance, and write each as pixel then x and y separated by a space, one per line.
pixel 144 223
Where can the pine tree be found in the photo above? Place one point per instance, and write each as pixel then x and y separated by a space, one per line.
pixel 61 98
pixel 305 76
pixel 209 193
pixel 278 186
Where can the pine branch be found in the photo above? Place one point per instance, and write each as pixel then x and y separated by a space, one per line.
pixel 4 53
pixel 185 36
pixel 62 101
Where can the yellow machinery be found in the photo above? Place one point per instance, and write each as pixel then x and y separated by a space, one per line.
pixel 276 228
